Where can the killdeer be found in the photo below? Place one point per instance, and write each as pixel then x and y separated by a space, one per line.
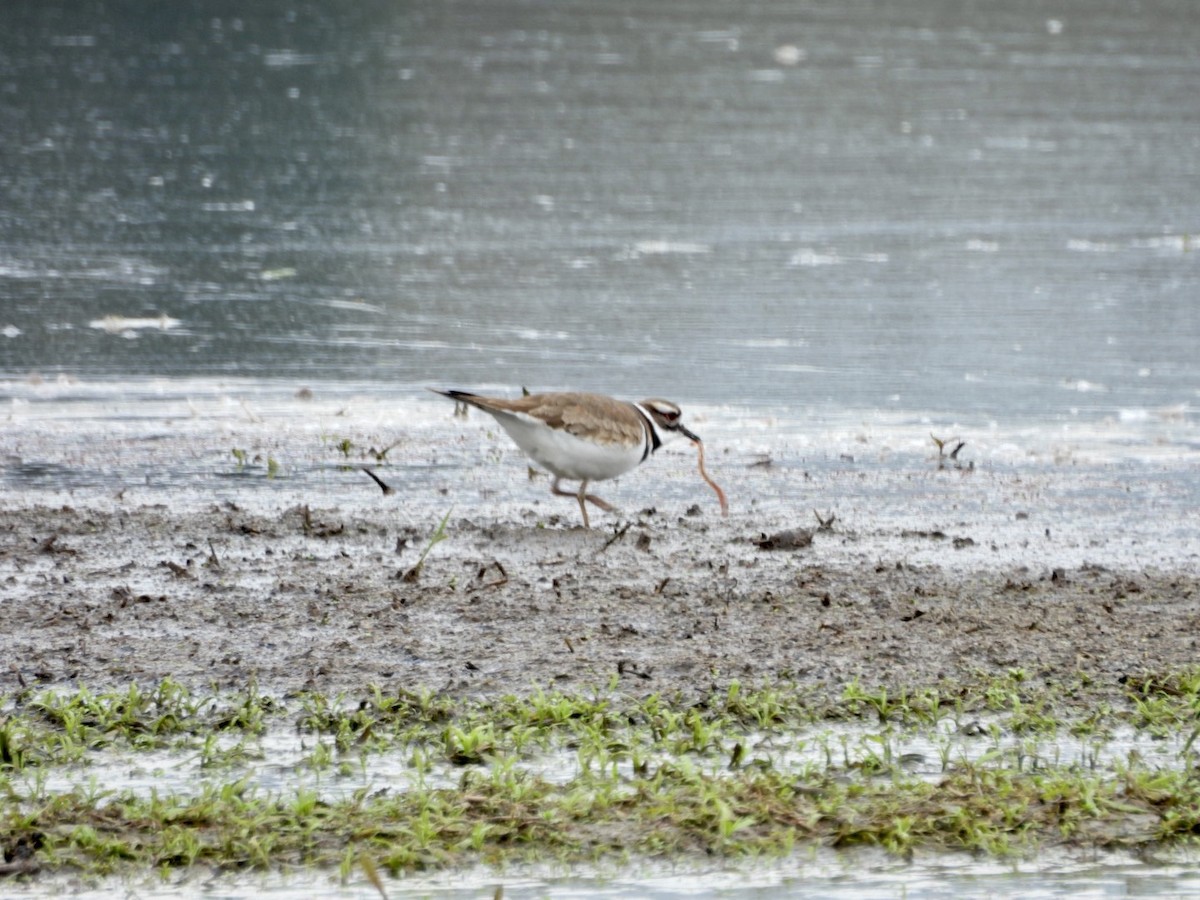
pixel 581 437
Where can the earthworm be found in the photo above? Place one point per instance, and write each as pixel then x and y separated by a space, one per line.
pixel 712 484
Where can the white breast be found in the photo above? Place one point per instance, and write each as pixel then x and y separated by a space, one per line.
pixel 566 455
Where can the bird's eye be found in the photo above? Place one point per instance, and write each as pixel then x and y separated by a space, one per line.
pixel 667 413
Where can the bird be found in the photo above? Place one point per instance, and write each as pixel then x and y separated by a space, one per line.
pixel 580 436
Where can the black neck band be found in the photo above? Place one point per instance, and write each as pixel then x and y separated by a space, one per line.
pixel 653 442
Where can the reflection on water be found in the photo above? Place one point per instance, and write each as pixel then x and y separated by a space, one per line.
pixel 978 209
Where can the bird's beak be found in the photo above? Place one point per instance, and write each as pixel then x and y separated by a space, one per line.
pixel 691 436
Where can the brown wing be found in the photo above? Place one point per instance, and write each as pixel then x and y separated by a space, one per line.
pixel 596 416
pixel 603 419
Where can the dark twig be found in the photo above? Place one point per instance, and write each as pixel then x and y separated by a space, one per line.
pixel 383 486
pixel 617 535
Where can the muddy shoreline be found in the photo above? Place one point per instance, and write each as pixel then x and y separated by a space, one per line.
pixel 321 598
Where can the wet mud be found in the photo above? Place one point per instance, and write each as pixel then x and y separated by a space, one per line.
pixel 335 599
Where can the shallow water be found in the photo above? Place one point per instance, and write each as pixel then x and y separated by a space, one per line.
pixel 284 761
pixel 848 876
pixel 930 208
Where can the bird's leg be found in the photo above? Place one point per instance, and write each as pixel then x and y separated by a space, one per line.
pixel 582 495
pixel 559 492
pixel 604 505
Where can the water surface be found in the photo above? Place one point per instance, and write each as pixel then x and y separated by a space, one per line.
pixel 982 209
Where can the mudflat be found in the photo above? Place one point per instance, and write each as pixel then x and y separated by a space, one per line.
pixel 334 598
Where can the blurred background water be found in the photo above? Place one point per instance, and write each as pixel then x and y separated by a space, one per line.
pixel 983 209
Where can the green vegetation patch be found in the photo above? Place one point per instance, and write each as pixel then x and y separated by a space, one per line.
pixel 549 776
